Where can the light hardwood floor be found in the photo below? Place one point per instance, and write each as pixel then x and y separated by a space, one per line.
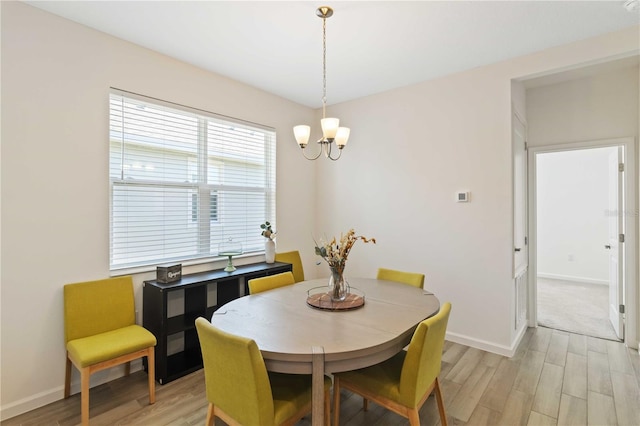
pixel 554 378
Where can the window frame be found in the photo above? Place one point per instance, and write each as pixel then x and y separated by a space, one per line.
pixel 205 188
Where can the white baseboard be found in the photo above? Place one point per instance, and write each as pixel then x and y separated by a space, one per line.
pixel 41 399
pixel 572 278
pixel 507 351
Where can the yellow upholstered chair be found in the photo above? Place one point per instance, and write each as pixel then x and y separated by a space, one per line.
pixel 100 332
pixel 258 285
pixel 404 382
pixel 292 257
pixel 239 389
pixel 411 278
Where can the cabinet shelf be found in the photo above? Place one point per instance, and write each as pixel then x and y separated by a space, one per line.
pixel 193 303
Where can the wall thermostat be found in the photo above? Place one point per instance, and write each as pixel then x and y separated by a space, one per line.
pixel 462 197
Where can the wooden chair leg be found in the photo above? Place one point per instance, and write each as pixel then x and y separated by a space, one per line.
pixel 365 404
pixel 414 417
pixel 336 401
pixel 210 416
pixel 67 378
pixel 84 395
pixel 151 370
pixel 327 408
pixel 443 415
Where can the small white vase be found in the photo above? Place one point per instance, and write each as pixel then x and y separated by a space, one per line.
pixel 270 251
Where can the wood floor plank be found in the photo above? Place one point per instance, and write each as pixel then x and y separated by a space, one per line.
pixel 557 350
pixel 110 417
pixel 596 345
pixel 523 347
pixel 529 372
pixel 577 344
pixel 600 410
pixel 547 398
pixel 575 376
pixel 454 353
pixel 350 405
pixel 470 393
pixel 598 376
pixel 451 356
pixel 429 415
pixel 497 392
pixel 517 409
pixel 483 416
pixel 465 366
pixel 626 397
pixel 619 358
pixel 372 415
pixel 449 391
pixel 541 339
pixel 537 419
pixel 573 411
pixel 492 360
pixel 635 362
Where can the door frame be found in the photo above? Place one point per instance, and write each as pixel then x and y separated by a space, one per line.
pixel 631 219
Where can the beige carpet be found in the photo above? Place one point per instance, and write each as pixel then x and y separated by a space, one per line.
pixel 575 307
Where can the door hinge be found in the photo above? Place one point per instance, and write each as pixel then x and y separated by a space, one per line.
pixel 526 240
pixel 621 309
pixel 526 146
pixel 621 238
pixel 621 167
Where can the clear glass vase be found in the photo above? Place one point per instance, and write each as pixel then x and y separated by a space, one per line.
pixel 338 285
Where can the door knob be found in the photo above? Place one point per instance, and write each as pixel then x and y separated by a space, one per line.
pixel 517 249
pixel 607 246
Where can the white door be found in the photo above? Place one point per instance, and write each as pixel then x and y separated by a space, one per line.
pixel 520 252
pixel 614 246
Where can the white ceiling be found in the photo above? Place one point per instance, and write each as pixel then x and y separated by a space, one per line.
pixel 372 46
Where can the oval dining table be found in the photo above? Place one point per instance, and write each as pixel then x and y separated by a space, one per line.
pixel 297 338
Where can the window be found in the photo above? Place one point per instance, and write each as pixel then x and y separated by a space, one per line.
pixel 183 181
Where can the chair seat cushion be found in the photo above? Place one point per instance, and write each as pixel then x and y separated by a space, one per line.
pixel 112 344
pixel 381 379
pixel 291 392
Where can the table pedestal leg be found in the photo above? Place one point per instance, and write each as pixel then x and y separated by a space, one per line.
pixel 317 391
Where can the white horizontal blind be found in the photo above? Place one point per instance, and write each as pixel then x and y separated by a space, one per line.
pixel 183 181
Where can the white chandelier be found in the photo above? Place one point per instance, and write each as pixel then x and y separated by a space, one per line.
pixel 331 132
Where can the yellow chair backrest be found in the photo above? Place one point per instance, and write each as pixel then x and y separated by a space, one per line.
pixel 270 282
pixel 96 307
pixel 235 375
pixel 424 355
pixel 292 257
pixel 411 278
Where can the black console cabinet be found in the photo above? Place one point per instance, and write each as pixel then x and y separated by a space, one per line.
pixel 170 310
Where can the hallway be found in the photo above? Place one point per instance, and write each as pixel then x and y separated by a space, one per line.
pixel 575 307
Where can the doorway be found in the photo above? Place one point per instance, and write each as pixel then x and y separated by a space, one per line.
pixel 581 272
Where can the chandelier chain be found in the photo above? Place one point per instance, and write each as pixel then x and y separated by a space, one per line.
pixel 324 65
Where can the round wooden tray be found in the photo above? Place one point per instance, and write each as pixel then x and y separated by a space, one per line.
pixel 319 298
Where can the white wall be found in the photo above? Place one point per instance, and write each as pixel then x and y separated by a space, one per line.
pixel 572 224
pixel 411 149
pixel 603 106
pixel 56 76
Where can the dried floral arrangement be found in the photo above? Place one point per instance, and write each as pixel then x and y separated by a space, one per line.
pixel 267 232
pixel 335 253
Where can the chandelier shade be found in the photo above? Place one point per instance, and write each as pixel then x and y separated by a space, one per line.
pixel 331 130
